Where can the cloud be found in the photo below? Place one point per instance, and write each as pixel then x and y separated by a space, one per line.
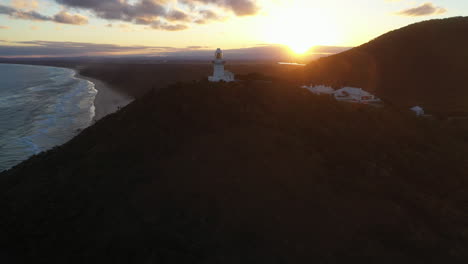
pixel 426 9
pixel 63 17
pixel 169 27
pixel 177 15
pixel 17 13
pixel 66 18
pixel 71 49
pixel 6 10
pixel 118 9
pixel 25 4
pixel 239 7
pixel 243 7
pixel 158 13
pixel 207 16
pixel 4 27
pixel 142 12
pixel 197 47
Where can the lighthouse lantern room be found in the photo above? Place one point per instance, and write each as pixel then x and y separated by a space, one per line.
pixel 219 74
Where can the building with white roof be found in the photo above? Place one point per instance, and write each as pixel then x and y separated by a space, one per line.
pixel 419 111
pixel 355 95
pixel 320 89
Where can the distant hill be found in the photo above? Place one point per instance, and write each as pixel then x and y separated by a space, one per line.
pixel 422 64
pixel 251 172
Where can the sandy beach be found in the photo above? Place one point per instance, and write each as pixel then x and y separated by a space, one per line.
pixel 107 100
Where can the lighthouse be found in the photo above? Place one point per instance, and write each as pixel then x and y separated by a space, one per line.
pixel 219 74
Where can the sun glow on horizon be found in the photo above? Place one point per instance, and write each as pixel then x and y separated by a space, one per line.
pixel 299 26
pixel 299 48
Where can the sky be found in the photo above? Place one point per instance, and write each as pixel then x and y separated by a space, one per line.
pixel 100 27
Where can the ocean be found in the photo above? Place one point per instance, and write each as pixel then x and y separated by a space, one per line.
pixel 40 107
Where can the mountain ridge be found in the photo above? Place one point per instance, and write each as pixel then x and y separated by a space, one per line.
pixel 420 64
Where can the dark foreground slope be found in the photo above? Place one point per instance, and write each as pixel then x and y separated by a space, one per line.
pixel 242 173
pixel 421 64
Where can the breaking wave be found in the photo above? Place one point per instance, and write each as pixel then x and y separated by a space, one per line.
pixel 40 107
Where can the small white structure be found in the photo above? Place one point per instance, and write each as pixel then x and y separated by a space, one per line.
pixel 419 111
pixel 320 89
pixel 219 74
pixel 355 95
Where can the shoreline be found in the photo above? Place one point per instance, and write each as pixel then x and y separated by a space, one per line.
pixel 107 100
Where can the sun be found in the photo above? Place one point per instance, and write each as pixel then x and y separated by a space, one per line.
pixel 299 25
pixel 299 48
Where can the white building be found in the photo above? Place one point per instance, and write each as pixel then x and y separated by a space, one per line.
pixel 320 89
pixel 219 74
pixel 355 95
pixel 419 111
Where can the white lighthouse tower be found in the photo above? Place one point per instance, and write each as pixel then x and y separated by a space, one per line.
pixel 219 74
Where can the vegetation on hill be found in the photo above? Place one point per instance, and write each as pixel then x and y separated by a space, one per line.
pixel 421 64
pixel 251 172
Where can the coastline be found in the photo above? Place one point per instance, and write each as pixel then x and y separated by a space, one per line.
pixel 107 100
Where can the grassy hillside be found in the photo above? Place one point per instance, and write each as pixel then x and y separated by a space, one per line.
pixel 242 173
pixel 421 64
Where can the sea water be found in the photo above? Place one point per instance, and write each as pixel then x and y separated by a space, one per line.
pixel 40 107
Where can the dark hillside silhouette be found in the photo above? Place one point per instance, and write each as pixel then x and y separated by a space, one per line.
pixel 251 172
pixel 421 64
